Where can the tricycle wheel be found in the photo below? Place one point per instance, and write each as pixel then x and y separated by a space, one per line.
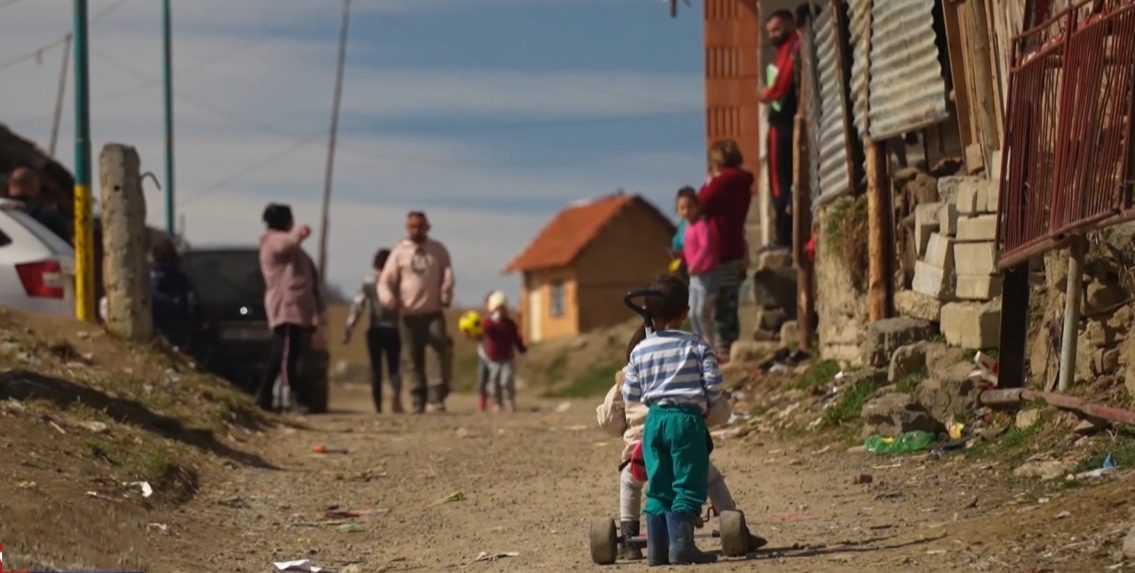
pixel 604 541
pixel 734 534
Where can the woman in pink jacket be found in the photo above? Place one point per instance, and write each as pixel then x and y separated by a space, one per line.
pixel 291 301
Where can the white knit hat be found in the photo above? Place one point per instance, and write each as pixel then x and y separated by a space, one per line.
pixel 497 300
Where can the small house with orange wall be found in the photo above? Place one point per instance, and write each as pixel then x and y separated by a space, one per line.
pixel 578 268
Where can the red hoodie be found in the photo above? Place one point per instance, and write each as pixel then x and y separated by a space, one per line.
pixel 502 338
pixel 725 201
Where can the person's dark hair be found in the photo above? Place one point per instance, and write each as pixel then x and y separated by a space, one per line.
pixel 380 258
pixel 687 192
pixel 670 302
pixel 164 252
pixel 725 153
pixel 419 214
pixel 278 217
pixel 782 14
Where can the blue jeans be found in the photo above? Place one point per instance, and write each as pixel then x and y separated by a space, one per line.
pixel 703 299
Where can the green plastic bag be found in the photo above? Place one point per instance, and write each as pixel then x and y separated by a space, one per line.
pixel 907 443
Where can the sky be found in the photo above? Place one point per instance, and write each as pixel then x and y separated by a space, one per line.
pixel 491 115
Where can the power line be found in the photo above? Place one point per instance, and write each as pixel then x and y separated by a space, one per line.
pixel 62 40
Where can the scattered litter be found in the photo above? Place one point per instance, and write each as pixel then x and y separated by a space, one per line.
pixel 98 495
pixel 159 527
pixel 778 368
pixel 451 498
pixel 1105 469
pixel 147 490
pixel 955 429
pixel 464 433
pixel 96 427
pixel 736 417
pixel 322 449
pixel 350 528
pixel 599 444
pixel 576 428
pixel 907 443
pixel 27 485
pixel 863 479
pixel 887 467
pixel 563 407
pixel 486 556
pixel 301 565
pixel 839 376
pixel 341 514
pixel 822 450
pixel 1064 515
pixel 57 427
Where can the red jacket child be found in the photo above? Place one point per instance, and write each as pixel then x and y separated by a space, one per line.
pixel 502 337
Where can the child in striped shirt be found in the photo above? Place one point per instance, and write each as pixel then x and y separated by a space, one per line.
pixel 675 374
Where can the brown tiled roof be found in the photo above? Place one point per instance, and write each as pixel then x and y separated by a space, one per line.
pixel 565 237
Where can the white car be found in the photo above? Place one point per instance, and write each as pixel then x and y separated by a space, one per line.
pixel 37 268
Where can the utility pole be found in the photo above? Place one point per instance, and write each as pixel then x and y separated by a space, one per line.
pixel 167 73
pixel 326 216
pixel 59 95
pixel 84 234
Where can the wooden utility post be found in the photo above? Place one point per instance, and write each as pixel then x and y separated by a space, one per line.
pixel 801 233
pixel 126 273
pixel 880 235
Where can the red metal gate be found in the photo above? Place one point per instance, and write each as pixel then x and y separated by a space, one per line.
pixel 1067 163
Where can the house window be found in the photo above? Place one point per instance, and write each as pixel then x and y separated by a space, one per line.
pixel 556 305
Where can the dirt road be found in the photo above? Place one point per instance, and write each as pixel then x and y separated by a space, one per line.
pixel 529 483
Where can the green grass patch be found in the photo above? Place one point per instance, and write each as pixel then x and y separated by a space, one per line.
pixel 850 404
pixel 1012 446
pixel 909 383
pixel 595 381
pixel 817 374
pixel 1122 451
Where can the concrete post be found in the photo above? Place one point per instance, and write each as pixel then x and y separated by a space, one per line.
pixel 1076 253
pixel 126 270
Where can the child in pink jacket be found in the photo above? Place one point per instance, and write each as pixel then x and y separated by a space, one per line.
pixel 700 251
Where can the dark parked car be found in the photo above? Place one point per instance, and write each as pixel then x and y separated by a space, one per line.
pixel 232 337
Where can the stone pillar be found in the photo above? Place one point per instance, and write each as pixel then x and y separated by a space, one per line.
pixel 126 271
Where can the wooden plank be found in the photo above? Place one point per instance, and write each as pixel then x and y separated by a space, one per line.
pixel 802 231
pixel 987 97
pixel 880 235
pixel 961 84
pixel 1014 327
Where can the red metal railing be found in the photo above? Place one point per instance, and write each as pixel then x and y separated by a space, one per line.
pixel 1067 163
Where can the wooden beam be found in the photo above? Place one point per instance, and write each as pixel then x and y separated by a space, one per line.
pixel 1063 401
pixel 986 102
pixel 802 231
pixel 880 235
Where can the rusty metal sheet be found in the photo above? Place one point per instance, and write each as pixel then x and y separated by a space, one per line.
pixel 834 166
pixel 907 88
pixel 860 35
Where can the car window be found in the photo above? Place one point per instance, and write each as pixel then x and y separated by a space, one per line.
pixel 225 278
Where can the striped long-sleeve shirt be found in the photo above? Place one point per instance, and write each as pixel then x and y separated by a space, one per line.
pixel 672 368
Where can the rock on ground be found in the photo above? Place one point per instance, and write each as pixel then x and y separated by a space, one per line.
pixel 949 393
pixel 894 414
pixel 886 336
pixel 907 360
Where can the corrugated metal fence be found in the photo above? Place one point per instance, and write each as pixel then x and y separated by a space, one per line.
pixel 1068 159
pixel 907 90
pixel 836 165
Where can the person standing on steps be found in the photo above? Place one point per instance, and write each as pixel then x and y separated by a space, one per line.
pixel 418 282
pixel 291 300
pixel 383 336
pixel 724 201
pixel 782 99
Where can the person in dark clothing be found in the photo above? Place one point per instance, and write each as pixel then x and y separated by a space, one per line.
pixel 24 186
pixel 174 301
pixel 502 342
pixel 782 98
pixel 383 336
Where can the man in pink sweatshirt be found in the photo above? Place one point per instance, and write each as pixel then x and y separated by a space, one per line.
pixel 417 282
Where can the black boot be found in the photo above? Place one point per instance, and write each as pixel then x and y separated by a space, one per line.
pixel 631 551
pixel 682 548
pixel 755 541
pixel 657 540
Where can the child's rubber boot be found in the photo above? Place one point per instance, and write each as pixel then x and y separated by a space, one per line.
pixel 657 540
pixel 682 548
pixel 484 403
pixel 755 541
pixel 631 552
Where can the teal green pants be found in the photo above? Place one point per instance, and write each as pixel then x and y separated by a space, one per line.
pixel 677 460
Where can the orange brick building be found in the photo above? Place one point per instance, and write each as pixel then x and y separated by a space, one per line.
pixel 578 268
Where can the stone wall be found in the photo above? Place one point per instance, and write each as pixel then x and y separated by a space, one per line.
pixel 840 305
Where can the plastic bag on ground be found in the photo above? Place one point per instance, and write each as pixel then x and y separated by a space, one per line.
pixel 908 443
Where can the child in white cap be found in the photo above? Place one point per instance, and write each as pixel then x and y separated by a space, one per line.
pixel 502 341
